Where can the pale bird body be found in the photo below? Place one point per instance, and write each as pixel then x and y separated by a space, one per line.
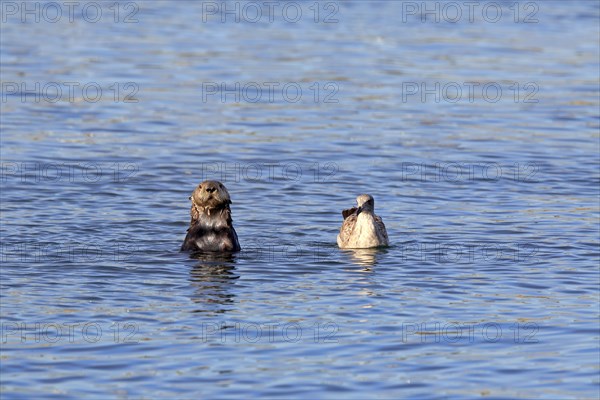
pixel 361 227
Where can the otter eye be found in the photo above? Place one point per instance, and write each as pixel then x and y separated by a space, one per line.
pixel 199 186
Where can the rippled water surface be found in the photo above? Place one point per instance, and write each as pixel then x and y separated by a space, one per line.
pixel 490 286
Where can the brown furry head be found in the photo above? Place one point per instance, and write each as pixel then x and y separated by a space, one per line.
pixel 209 196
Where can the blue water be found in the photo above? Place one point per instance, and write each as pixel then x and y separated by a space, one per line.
pixel 490 287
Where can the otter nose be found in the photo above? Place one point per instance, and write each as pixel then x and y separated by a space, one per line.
pixel 210 189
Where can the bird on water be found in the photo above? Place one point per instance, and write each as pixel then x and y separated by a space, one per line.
pixel 361 228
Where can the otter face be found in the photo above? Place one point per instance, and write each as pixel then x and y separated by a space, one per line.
pixel 210 194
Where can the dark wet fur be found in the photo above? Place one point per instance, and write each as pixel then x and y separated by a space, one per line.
pixel 211 233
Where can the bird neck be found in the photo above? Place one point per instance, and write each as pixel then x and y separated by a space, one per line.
pixel 366 214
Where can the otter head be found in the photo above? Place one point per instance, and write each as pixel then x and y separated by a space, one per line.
pixel 210 195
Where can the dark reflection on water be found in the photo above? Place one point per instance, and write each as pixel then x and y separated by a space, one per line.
pixel 212 278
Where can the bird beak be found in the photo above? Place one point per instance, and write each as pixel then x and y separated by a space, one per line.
pixel 359 210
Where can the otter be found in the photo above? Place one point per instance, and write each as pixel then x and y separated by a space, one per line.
pixel 211 227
